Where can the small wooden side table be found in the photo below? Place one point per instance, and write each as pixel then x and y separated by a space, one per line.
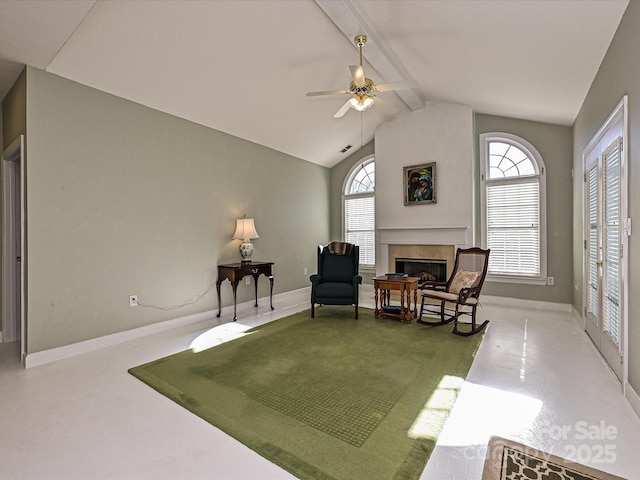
pixel 236 272
pixel 382 286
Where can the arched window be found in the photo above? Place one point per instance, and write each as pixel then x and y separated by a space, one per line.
pixel 359 210
pixel 513 195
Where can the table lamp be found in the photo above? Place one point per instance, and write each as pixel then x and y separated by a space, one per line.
pixel 245 231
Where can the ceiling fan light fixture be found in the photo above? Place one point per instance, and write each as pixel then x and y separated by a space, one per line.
pixel 363 89
pixel 360 103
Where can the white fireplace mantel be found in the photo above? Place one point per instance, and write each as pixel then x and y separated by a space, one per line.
pixel 457 236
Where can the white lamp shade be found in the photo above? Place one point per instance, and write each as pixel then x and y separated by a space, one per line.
pixel 245 229
pixel 360 103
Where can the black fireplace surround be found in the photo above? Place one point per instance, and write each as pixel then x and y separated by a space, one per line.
pixel 426 269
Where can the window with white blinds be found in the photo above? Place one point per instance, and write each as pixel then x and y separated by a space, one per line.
pixel 359 211
pixel 513 208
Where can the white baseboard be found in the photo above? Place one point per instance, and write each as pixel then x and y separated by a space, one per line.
pixel 521 303
pixel 577 317
pixel 66 351
pixel 633 398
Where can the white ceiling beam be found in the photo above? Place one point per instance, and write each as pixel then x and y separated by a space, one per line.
pixel 352 21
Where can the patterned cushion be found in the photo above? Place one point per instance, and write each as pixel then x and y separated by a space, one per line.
pixel 463 279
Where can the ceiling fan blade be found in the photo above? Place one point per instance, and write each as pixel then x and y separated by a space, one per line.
pixel 328 92
pixel 340 113
pixel 357 72
pixel 385 87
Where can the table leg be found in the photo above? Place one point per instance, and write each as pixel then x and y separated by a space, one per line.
pixel 219 302
pixel 255 284
pixel 415 303
pixel 376 311
pixel 271 291
pixel 234 287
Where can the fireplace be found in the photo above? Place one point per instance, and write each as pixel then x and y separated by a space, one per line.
pixel 439 242
pixel 426 269
pixel 444 254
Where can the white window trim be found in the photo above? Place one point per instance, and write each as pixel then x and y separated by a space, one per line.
pixel 347 181
pixel 533 153
pixel 352 172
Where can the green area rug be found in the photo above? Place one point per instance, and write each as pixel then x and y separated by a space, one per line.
pixel 326 398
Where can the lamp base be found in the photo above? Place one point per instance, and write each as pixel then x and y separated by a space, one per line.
pixel 246 250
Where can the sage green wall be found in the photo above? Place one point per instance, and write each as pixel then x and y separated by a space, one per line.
pixel 123 199
pixel 338 176
pixel 554 142
pixel 619 75
pixel 14 111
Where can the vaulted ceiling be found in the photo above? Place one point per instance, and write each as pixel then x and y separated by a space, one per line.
pixel 244 67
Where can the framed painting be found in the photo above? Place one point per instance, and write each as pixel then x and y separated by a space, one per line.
pixel 420 184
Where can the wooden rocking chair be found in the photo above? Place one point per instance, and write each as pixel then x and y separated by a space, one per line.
pixel 462 289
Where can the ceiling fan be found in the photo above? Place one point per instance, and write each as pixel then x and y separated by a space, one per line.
pixel 363 89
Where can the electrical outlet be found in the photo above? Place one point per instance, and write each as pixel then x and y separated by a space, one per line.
pixel 247 280
pixel 133 300
pixel 305 270
pixel 551 281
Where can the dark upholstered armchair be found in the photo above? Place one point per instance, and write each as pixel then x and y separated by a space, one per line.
pixel 337 280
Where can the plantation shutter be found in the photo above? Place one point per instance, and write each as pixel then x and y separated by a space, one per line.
pixel 513 228
pixel 611 244
pixel 360 226
pixel 592 247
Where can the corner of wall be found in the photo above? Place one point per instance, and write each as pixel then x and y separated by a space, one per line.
pixel 633 398
pixel 14 111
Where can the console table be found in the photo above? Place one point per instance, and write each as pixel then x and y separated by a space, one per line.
pixel 235 272
pixel 406 286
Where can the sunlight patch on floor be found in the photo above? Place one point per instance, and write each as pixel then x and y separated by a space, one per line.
pixel 431 419
pixel 218 335
pixel 482 411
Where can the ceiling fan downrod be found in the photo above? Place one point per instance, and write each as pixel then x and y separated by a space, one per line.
pixel 360 41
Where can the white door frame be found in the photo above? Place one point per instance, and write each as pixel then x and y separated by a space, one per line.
pixel 13 183
pixel 619 113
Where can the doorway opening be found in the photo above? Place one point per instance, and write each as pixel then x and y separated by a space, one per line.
pixel 13 241
pixel 606 228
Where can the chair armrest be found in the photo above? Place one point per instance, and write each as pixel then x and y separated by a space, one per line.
pixel 430 285
pixel 467 292
pixel 357 280
pixel 315 279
